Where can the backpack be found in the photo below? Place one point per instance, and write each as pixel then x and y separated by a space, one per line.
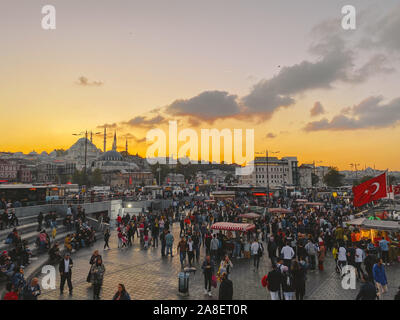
pixel 260 249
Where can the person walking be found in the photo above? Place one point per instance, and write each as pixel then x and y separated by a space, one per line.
pixel 40 221
pixel 256 251
pixel 342 257
pixel 321 257
pixel 287 283
pixel 367 289
pixel 311 252
pixel 299 280
pixel 96 276
pixel 369 263
pixel 163 243
pixel 214 245
pixel 288 253
pixel 208 271
pixel 182 249
pixel 384 247
pixel 225 288
pixel 190 250
pixel 65 269
pixel 106 239
pixel 274 279
pixel 359 258
pixel 380 279
pixel 272 250
pixel 169 242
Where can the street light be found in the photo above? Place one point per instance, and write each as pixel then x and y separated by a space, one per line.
pixel 267 160
pixel 80 134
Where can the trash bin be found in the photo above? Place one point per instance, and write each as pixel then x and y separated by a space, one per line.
pixel 183 283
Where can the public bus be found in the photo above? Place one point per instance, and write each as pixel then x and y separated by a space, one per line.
pixel 29 194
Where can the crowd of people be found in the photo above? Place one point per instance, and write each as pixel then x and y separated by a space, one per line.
pixel 18 257
pixel 297 242
pixel 298 239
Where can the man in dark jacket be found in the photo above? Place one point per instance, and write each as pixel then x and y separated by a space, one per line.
pixel 369 262
pixel 274 282
pixel 225 288
pixel 367 290
pixel 65 268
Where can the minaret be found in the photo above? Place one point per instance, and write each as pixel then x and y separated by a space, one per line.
pixel 114 147
pixel 126 147
pixel 91 136
pixel 105 139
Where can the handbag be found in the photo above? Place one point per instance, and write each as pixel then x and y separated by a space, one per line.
pixel 214 281
pixel 89 276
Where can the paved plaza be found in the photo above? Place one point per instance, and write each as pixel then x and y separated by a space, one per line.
pixel 148 276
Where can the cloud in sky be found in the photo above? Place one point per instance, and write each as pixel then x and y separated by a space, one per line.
pixel 383 33
pixel 145 122
pixel 208 106
pixel 371 113
pixel 317 109
pixel 108 126
pixel 85 82
pixel 337 60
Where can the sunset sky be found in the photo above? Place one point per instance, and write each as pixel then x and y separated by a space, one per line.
pixel 285 68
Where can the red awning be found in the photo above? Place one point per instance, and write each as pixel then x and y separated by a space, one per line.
pixel 279 210
pixel 250 215
pixel 229 226
pixel 314 204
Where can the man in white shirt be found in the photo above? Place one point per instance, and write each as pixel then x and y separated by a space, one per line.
pixel 288 253
pixel 359 258
pixel 256 251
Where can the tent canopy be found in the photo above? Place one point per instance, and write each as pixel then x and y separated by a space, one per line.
pixel 233 226
pixel 279 210
pixel 375 224
pixel 314 204
pixel 250 215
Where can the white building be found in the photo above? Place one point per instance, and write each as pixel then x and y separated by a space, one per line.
pixel 273 172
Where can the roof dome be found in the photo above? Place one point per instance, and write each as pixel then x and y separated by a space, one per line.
pixel 111 156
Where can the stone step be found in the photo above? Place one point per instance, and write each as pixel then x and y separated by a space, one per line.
pixel 31 237
pixel 24 228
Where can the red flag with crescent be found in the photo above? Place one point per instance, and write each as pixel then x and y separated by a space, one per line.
pixel 396 189
pixel 370 190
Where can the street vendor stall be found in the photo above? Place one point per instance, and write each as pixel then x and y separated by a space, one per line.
pixel 249 216
pixel 228 228
pixel 376 230
pixel 314 204
pixel 279 210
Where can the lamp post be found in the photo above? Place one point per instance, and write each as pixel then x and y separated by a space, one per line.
pixel 267 155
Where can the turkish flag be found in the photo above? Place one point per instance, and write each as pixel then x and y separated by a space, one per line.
pixel 396 189
pixel 370 190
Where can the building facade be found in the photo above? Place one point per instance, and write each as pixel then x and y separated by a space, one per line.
pixel 272 172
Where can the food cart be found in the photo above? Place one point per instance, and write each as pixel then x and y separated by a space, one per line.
pixel 249 216
pixel 227 228
pixel 375 230
pixel 279 211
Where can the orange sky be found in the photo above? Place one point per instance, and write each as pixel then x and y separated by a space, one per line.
pixel 147 56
